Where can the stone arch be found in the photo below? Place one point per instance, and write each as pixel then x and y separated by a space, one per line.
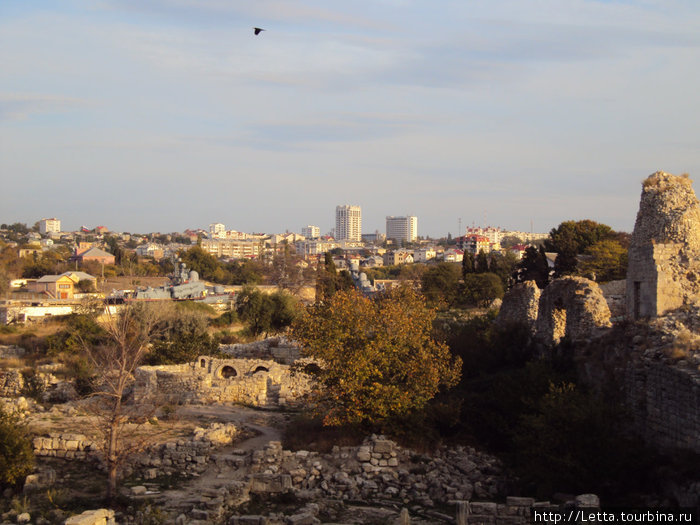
pixel 259 368
pixel 227 372
pixel 571 307
pixel 202 363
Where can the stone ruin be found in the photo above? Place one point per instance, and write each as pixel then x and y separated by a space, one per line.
pixel 663 272
pixel 255 382
pixel 664 255
pixel 661 391
pixel 571 307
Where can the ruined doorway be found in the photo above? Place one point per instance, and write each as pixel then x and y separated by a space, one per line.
pixel 228 372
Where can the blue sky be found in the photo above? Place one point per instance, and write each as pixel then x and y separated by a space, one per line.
pixel 159 115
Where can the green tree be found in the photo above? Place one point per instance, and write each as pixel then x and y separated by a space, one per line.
pixel 440 283
pixel 570 239
pixel 50 262
pixel 480 289
pixel 510 240
pixel 182 336
pixel 266 313
pixel 503 265
pixel 482 262
pixel 329 280
pixel 16 450
pixel 379 358
pixel 604 261
pixel 205 264
pixel 468 264
pixel 533 267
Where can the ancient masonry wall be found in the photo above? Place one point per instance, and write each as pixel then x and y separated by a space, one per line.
pixel 256 382
pixel 571 306
pixel 664 256
pixel 665 403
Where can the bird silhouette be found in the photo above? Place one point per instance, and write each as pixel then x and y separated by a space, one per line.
pixel 257 30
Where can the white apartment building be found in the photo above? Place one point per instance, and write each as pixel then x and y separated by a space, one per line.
pixel 314 247
pixel 494 235
pixel 402 229
pixel 311 232
pixel 527 236
pixel 49 226
pixel 231 249
pixel 348 223
pixel 217 230
pixel 424 254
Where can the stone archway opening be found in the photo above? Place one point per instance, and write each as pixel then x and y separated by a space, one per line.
pixel 228 372
pixel 203 363
pixel 260 369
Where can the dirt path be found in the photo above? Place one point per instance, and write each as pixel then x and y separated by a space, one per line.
pixel 226 465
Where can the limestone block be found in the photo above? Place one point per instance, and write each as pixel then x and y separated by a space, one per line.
pixel 92 517
pixel 587 501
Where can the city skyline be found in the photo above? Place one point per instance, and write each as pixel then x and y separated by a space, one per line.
pixel 167 115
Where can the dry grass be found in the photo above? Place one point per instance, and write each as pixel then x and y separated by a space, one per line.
pixel 659 182
pixel 12 362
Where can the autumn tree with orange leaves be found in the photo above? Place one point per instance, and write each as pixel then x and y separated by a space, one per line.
pixel 378 357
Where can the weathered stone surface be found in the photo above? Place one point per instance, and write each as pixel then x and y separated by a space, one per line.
pixel 520 305
pixel 92 517
pixel 573 307
pixel 258 382
pixel 587 501
pixel 664 266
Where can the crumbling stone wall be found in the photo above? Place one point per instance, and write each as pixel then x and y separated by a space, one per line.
pixel 573 307
pixel 665 403
pixel 520 305
pixel 256 382
pixel 278 349
pixel 11 383
pixel 185 456
pixel 664 256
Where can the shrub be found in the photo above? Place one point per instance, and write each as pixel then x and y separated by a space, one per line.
pixel 16 451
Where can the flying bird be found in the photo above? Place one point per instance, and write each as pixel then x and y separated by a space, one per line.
pixel 257 30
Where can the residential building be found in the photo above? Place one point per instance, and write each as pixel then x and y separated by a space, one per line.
pixel 395 257
pixel 94 254
pixel 30 251
pixel 374 238
pixel 518 250
pixel 348 223
pixel 55 286
pixel 526 237
pixel 101 230
pixel 232 249
pixel 314 247
pixel 424 254
pixel 60 286
pixel 474 244
pixel 402 229
pixel 217 231
pixel 494 235
pixel 311 232
pixel 49 225
pixel 150 250
pixel 454 255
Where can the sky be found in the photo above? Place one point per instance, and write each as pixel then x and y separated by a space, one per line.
pixel 162 115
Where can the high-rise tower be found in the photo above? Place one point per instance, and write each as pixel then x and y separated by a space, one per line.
pixel 348 223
